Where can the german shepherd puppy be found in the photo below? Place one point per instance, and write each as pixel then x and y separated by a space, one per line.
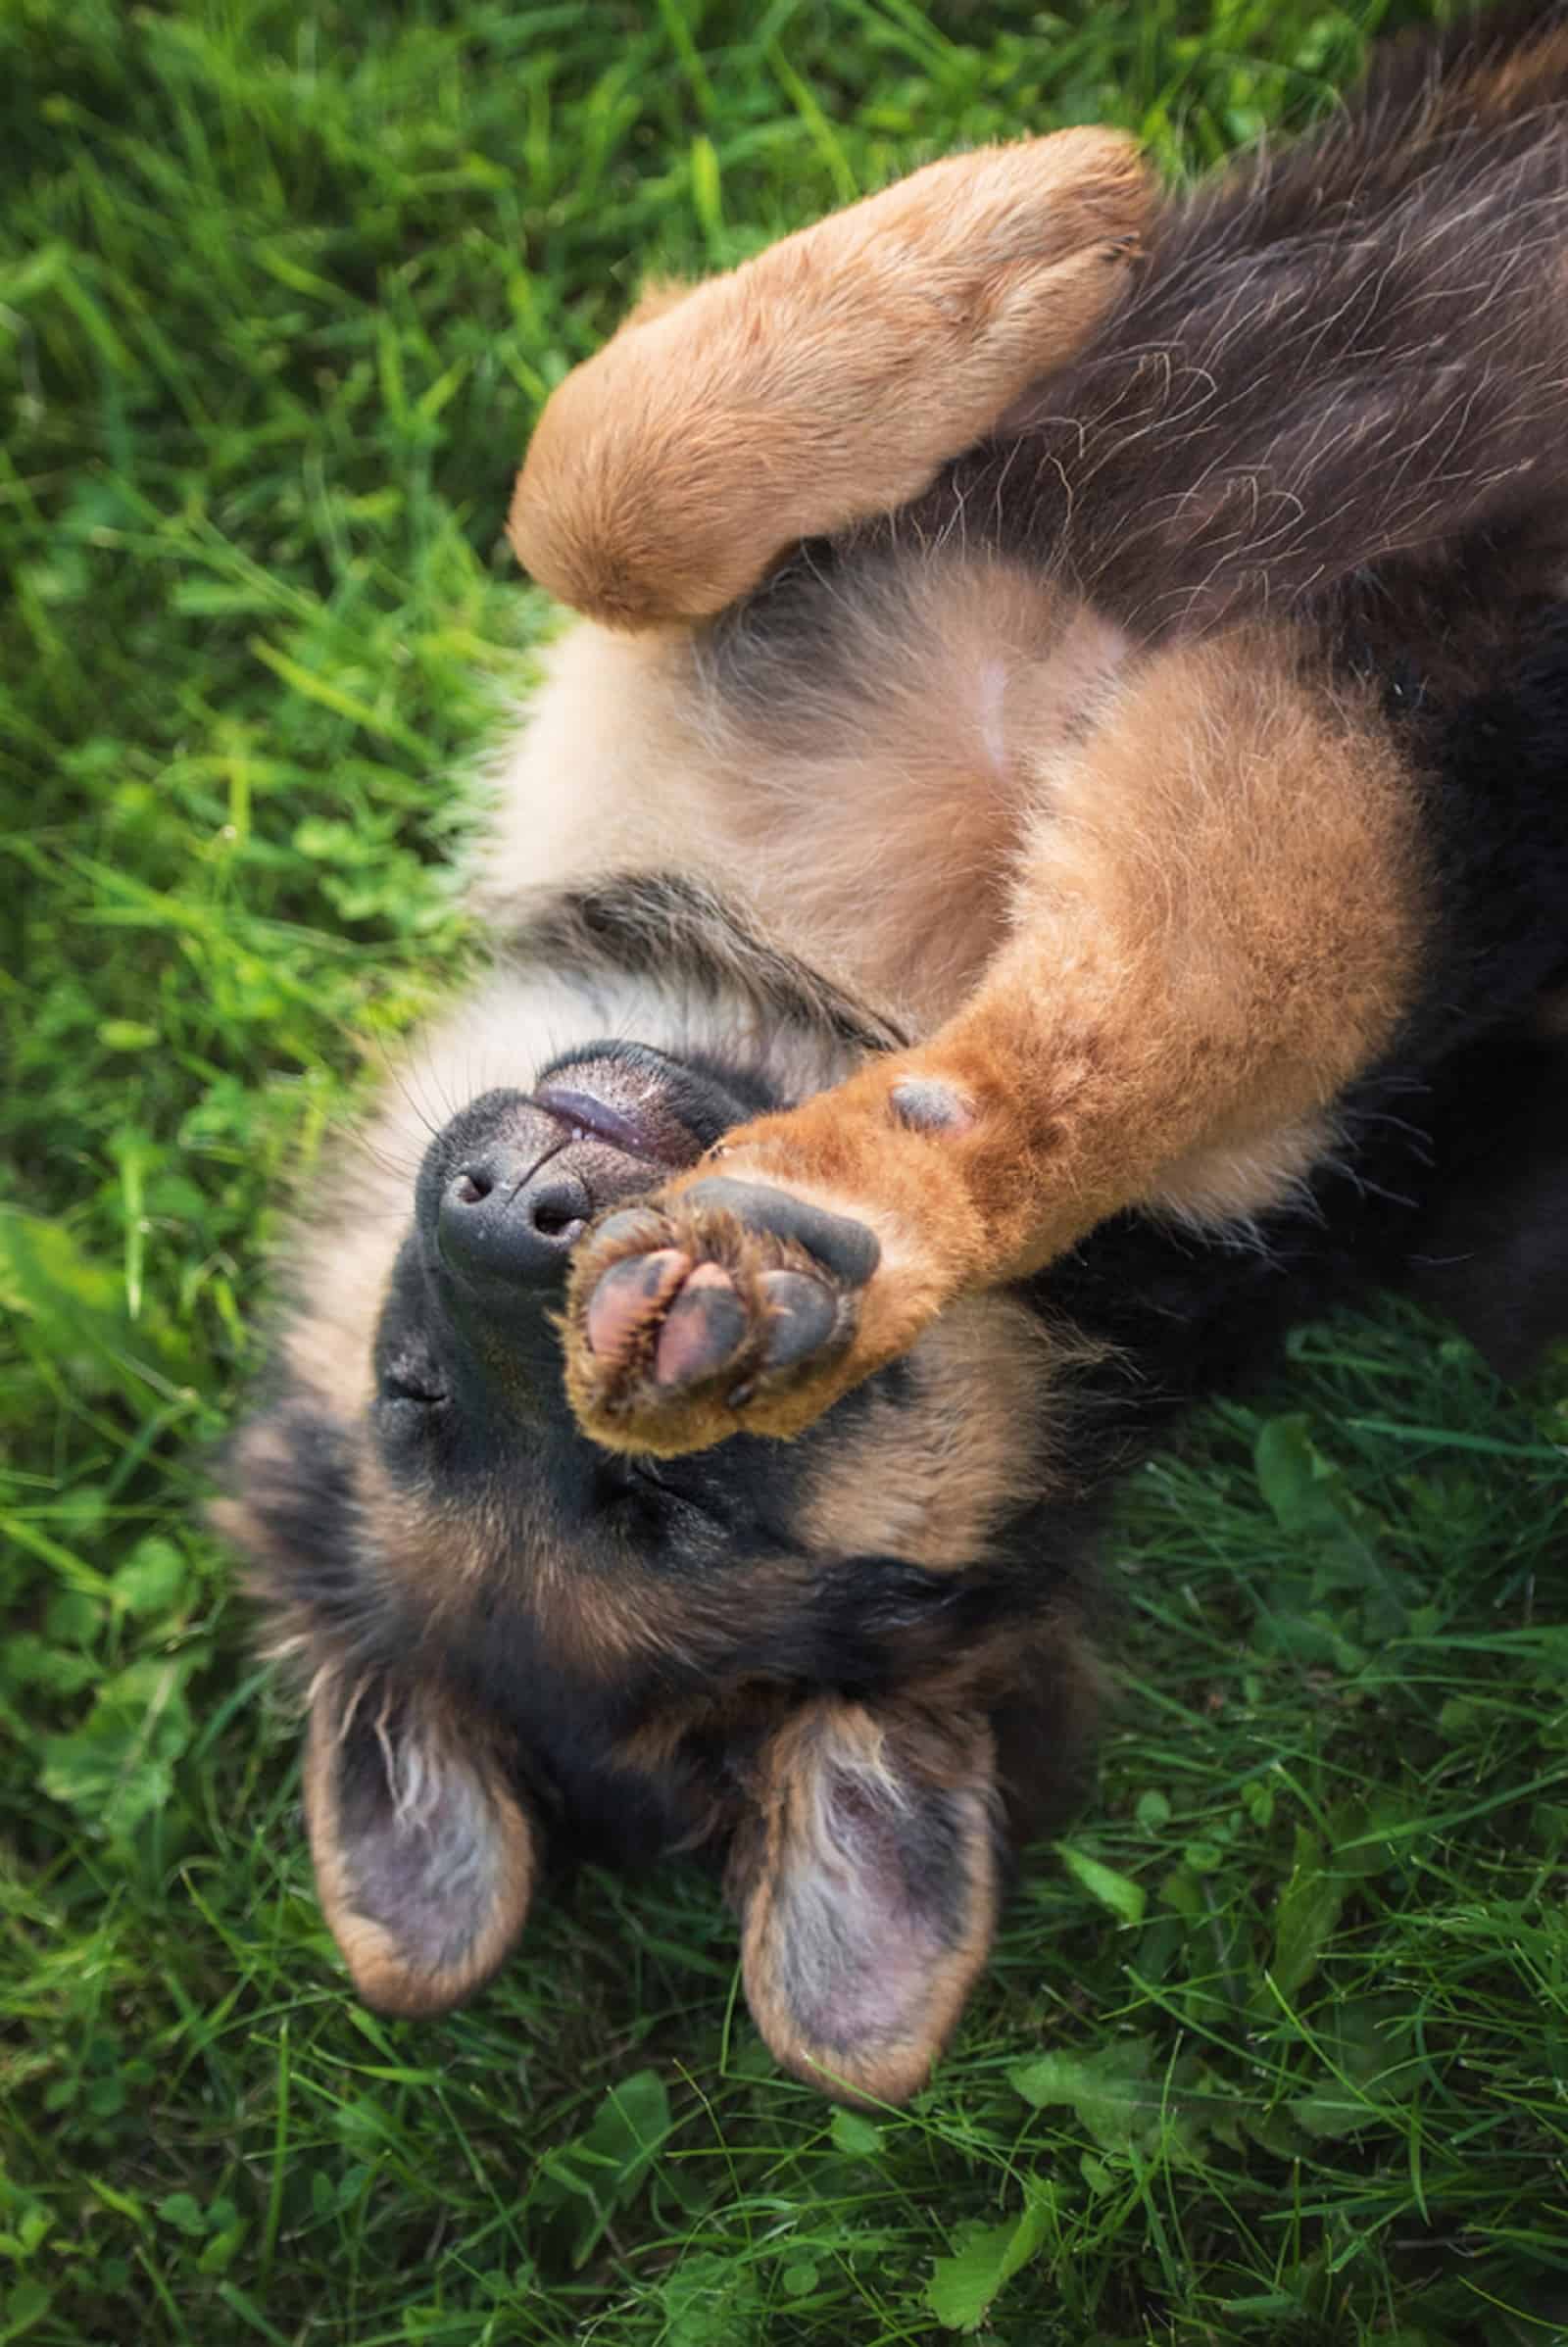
pixel 1069 734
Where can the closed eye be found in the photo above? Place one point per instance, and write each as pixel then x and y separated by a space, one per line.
pixel 413 1380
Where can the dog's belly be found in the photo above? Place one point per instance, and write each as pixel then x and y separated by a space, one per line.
pixel 854 759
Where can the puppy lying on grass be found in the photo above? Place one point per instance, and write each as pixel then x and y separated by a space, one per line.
pixel 1048 860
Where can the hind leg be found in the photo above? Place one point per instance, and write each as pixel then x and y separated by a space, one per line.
pixel 824 381
pixel 1217 925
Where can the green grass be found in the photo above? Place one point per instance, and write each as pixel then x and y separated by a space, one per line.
pixel 1282 2052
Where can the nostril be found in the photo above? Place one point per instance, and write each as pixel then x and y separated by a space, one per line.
pixel 558 1210
pixel 508 1222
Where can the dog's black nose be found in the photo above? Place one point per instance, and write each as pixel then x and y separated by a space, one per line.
pixel 508 1218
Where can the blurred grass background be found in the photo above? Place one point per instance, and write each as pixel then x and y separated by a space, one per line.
pixel 1281 2050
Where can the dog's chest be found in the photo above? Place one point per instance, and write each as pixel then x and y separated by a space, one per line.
pixel 888 753
pixel 855 760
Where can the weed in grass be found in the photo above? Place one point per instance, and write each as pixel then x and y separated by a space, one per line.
pixel 1280 2049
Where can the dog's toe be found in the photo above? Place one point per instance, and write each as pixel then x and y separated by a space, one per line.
pixel 624 1307
pixel 705 1329
pixel 842 1247
pixel 803 1316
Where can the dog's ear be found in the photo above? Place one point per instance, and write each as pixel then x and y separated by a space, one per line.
pixel 425 1856
pixel 868 1881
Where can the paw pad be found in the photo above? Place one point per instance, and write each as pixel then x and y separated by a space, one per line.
pixel 630 1296
pixel 924 1104
pixel 703 1328
pixel 719 1306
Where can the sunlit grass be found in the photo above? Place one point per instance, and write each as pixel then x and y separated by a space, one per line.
pixel 1284 2051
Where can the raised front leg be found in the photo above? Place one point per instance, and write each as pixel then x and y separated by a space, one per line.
pixel 1217 925
pixel 826 380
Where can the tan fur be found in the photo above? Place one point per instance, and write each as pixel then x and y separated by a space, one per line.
pixel 1234 1186
pixel 595 1628
pixel 656 298
pixel 826 380
pixel 966 676
pixel 1215 918
pixel 930 1484
pixel 611 772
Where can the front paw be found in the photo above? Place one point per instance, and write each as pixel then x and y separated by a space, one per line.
pixel 725 1305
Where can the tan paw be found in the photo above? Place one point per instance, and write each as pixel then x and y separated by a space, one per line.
pixel 810 1248
pixel 825 381
pixel 728 1306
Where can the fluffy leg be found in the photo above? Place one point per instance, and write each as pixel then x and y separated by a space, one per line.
pixel 1217 924
pixel 826 380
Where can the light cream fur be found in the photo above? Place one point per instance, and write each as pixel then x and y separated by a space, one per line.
pixel 869 825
